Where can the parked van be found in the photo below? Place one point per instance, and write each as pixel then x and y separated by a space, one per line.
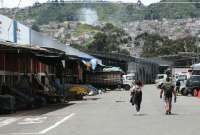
pixel 192 85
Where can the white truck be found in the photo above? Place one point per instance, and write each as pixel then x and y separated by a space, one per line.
pixel 181 75
pixel 160 78
pixel 128 80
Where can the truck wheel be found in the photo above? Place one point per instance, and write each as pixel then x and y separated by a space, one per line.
pixel 127 87
pixel 79 97
pixel 184 92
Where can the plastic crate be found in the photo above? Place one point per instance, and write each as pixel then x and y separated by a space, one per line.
pixel 7 104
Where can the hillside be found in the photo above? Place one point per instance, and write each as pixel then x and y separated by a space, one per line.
pixel 117 13
pixel 93 13
pixel 173 10
pixel 78 23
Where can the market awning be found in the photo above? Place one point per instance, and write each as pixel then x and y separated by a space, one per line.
pixel 48 58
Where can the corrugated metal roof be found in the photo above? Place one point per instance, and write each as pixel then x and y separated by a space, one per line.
pixel 14 45
pixel 38 39
pixel 29 37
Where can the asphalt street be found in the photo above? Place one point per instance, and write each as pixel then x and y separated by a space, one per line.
pixel 108 114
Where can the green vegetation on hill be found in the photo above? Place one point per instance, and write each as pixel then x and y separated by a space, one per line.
pixel 84 28
pixel 173 10
pixel 107 12
pixel 155 45
pixel 110 12
pixel 109 39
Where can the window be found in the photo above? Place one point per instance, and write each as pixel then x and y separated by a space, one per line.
pixel 130 77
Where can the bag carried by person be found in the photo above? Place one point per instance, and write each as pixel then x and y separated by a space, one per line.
pixel 132 97
pixel 168 89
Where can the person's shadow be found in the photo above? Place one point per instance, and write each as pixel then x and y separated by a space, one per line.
pixel 141 114
pixel 173 114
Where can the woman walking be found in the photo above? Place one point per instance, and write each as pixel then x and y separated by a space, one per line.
pixel 169 90
pixel 136 95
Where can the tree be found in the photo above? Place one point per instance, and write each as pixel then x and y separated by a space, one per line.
pixel 99 43
pixel 125 52
pixel 155 45
pixel 35 27
pixel 110 40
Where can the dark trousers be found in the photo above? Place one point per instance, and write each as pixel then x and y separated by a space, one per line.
pixel 138 100
pixel 177 89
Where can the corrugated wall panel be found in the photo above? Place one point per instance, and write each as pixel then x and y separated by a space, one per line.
pixel 2 55
pixel 6 29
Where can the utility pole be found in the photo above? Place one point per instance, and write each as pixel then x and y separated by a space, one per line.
pixel 197 45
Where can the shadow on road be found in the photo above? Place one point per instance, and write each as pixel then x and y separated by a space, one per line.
pixel 93 99
pixel 85 99
pixel 142 114
pixel 39 111
pixel 120 101
pixel 48 109
pixel 174 114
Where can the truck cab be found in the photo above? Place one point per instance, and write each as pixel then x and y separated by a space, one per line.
pixel 128 80
pixel 160 78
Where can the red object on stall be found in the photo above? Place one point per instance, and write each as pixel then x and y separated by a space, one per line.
pixel 198 94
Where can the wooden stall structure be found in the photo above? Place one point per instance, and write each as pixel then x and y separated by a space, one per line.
pixel 29 74
pixel 17 61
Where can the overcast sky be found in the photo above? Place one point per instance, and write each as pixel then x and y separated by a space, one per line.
pixel 24 3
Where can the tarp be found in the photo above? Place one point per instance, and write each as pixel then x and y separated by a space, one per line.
pixel 92 63
pixel 23 34
pixel 196 66
pixel 113 69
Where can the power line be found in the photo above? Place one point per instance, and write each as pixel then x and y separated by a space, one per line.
pixel 16 9
pixel 14 16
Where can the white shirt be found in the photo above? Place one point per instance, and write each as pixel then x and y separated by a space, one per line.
pixel 136 88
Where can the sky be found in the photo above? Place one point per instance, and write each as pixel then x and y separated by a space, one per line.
pixel 24 3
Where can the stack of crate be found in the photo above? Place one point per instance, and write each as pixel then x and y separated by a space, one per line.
pixel 7 104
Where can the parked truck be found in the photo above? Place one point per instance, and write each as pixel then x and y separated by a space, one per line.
pixel 128 80
pixel 110 80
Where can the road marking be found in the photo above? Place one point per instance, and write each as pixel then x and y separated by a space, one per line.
pixel 7 121
pixel 36 120
pixel 24 133
pixel 56 124
pixel 47 129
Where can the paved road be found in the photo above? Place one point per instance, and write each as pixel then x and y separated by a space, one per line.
pixel 108 114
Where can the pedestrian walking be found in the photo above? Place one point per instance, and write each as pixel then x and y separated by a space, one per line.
pixel 169 90
pixel 136 95
pixel 178 85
